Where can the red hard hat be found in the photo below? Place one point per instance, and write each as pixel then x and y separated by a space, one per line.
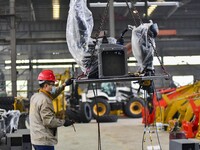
pixel 46 75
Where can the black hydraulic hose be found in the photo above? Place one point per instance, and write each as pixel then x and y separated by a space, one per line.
pixel 143 136
pixel 94 88
pixel 123 32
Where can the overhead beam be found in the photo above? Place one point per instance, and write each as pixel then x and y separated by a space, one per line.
pixel 123 4
pixel 164 35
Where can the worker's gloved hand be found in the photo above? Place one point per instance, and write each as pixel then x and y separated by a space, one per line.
pixel 68 82
pixel 68 122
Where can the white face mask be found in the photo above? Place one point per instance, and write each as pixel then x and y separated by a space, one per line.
pixel 53 90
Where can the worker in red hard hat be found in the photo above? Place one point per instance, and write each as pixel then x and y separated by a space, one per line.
pixel 43 122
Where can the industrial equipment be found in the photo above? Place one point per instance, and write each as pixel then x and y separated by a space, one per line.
pixel 19 140
pixel 112 61
pixel 174 102
pixel 183 144
pixel 71 106
pixel 190 125
pixel 18 103
pixel 180 105
pixel 78 109
pixel 110 97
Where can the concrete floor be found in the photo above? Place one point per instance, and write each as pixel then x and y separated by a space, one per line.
pixel 125 134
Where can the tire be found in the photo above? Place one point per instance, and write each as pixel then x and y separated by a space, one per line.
pixel 22 121
pixel 73 115
pixel 103 107
pixel 85 112
pixel 27 122
pixel 133 108
pixel 107 118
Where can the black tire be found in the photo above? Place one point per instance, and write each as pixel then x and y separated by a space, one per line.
pixel 85 112
pixel 103 107
pixel 107 118
pixel 73 115
pixel 22 121
pixel 133 108
pixel 27 122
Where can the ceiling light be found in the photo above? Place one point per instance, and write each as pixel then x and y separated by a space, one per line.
pixel 56 53
pixel 135 11
pixel 56 9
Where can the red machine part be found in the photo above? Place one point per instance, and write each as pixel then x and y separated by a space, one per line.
pixel 147 116
pixel 191 128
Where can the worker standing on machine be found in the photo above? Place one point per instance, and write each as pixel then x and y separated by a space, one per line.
pixel 43 122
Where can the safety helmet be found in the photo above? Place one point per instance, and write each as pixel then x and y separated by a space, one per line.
pixel 47 75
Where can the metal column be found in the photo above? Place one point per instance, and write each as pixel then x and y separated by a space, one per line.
pixel 112 19
pixel 13 48
pixel 30 57
pixel 30 79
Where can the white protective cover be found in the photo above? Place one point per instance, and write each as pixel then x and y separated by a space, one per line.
pixel 11 118
pixel 78 31
pixel 142 48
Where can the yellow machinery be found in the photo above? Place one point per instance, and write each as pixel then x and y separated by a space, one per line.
pixel 18 103
pixel 77 110
pixel 183 106
pixel 21 104
pixel 175 103
pixel 177 109
pixel 60 102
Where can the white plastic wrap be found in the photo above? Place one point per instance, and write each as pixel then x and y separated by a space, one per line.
pixel 111 40
pixel 11 120
pixel 142 47
pixel 2 123
pixel 78 31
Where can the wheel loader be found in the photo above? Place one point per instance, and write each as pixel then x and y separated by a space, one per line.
pixel 111 98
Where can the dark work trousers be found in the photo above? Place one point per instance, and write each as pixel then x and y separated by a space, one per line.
pixel 43 147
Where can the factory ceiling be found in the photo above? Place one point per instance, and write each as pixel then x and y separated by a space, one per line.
pixel 40 36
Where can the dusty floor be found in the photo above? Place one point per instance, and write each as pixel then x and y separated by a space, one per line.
pixel 125 134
